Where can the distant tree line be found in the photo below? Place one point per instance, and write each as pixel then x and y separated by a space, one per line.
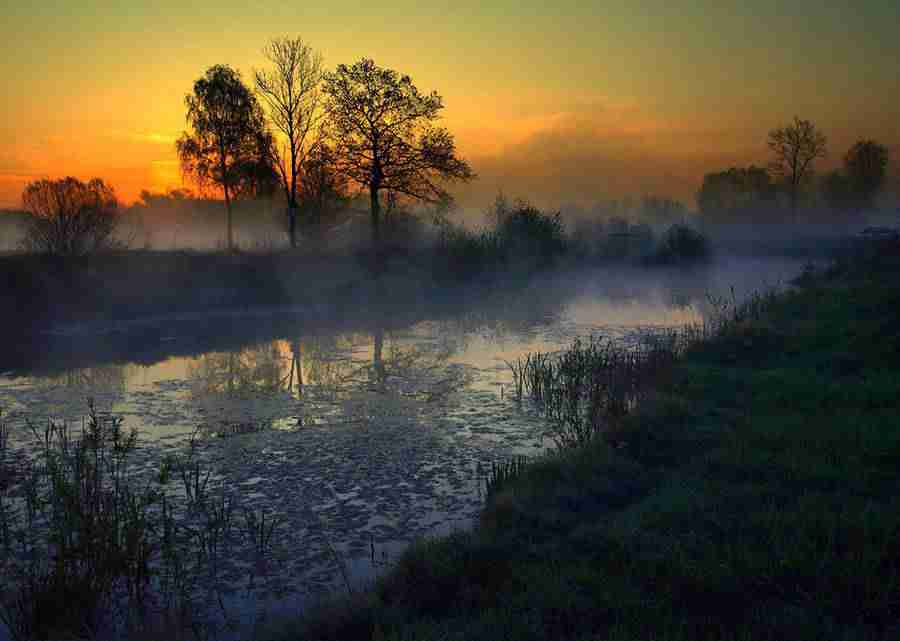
pixel 754 193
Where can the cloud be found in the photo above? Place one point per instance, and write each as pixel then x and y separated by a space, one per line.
pixel 599 151
pixel 154 137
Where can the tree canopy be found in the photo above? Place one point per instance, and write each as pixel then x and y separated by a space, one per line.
pixel 69 217
pixel 735 193
pixel 795 148
pixel 290 90
pixel 865 165
pixel 228 141
pixel 386 137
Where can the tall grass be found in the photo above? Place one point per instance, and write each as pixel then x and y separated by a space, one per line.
pixel 502 473
pixel 591 386
pixel 82 529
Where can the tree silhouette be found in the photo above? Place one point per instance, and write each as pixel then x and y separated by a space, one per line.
pixel 386 138
pixel 865 165
pixel 256 175
pixel 69 217
pixel 737 192
pixel 228 135
pixel 323 189
pixel 290 89
pixel 796 147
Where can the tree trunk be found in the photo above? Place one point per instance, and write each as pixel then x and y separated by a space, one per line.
pixel 376 214
pixel 292 223
pixel 794 188
pixel 292 196
pixel 377 358
pixel 230 237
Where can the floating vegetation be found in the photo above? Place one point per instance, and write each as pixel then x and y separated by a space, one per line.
pixel 227 429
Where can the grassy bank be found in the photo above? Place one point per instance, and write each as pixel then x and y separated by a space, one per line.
pixel 753 496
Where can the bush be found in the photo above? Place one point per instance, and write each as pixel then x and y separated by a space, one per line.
pixel 528 232
pixel 523 234
pixel 69 217
pixel 682 244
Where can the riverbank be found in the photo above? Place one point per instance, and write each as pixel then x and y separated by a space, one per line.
pixel 754 497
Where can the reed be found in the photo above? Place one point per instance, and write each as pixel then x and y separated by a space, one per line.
pixel 260 528
pixel 92 545
pixel 194 477
pixel 87 533
pixel 592 385
pixel 502 473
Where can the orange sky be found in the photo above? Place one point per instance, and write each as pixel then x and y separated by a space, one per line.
pixel 572 103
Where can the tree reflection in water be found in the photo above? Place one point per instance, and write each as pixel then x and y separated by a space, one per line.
pixel 320 379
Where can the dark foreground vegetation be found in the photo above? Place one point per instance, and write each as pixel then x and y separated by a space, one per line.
pixel 92 545
pixel 752 494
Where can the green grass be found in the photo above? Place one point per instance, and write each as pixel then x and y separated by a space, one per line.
pixel 755 496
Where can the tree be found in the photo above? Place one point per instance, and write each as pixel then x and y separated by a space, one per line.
pixel 323 189
pixel 255 175
pixel 386 137
pixel 735 193
pixel 796 147
pixel 657 210
pixel 228 135
pixel 69 217
pixel 290 89
pixel 865 165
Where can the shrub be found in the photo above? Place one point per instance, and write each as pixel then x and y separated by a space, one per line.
pixel 69 217
pixel 528 232
pixel 682 244
pixel 523 234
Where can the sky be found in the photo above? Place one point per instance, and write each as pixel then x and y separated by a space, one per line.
pixel 565 102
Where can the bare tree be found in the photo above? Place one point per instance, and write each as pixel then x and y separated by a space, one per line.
pixel 866 167
pixel 796 147
pixel 228 135
pixel 69 217
pixel 290 89
pixel 386 138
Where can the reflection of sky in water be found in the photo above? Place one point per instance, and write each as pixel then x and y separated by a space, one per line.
pixel 367 438
pixel 329 378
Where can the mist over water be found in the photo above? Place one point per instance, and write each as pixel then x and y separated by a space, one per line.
pixel 363 433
